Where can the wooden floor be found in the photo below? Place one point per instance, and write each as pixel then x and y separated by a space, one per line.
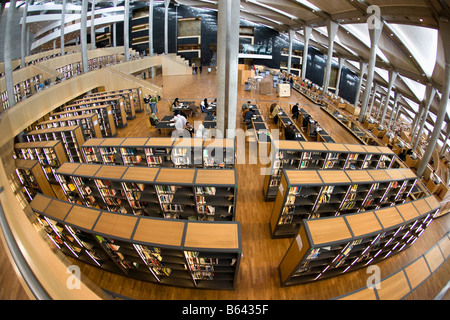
pixel 258 275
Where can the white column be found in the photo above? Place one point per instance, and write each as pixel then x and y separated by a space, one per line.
pixel 93 39
pixel 227 66
pixel 338 80
pixel 23 37
pixel 7 54
pixel 114 29
pixel 392 77
pixel 126 30
pixel 444 31
pixel 150 35
pixel 332 30
pixel 307 33
pixel 394 108
pixel 83 36
pixel 63 23
pixel 375 33
pixel 374 95
pixel 291 41
pixel 166 26
pixel 362 71
pixel 429 96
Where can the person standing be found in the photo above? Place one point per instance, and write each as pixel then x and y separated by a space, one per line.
pixel 153 102
pixel 147 104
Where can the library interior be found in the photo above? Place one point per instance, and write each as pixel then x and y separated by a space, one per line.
pixel 225 150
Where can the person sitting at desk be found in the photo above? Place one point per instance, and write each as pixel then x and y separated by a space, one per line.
pixel 245 105
pixel 176 112
pixel 180 124
pixel 190 128
pixel 275 112
pixel 175 103
pixel 313 129
pixel 204 106
pixel 435 178
pixel 306 121
pixel 402 155
pixel 153 119
pixel 248 115
pixel 289 133
pixel 295 111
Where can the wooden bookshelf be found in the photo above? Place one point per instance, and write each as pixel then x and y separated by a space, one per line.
pixel 162 152
pixel 50 154
pixel 319 155
pixel 127 97
pixel 32 178
pixel 106 119
pixel 329 247
pixel 88 123
pixel 70 136
pixel 117 106
pixel 135 95
pixel 172 193
pixel 394 286
pixel 322 193
pixel 188 254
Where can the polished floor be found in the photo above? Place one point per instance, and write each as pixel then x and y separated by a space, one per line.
pixel 258 275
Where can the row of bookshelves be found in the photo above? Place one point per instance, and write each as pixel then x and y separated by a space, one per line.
pixel 50 155
pixel 70 136
pixel 105 115
pixel 404 281
pixel 325 248
pixel 134 95
pixel 22 90
pixel 88 123
pixel 303 155
pixel 318 194
pixel 149 249
pixel 117 104
pixel 161 152
pixel 190 194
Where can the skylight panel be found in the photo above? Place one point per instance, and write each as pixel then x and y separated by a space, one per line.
pixel 308 4
pixel 273 9
pixel 421 42
pixel 417 88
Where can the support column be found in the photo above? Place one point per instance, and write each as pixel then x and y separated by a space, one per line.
pixel 380 107
pixel 338 80
pixel 166 26
pixel 23 37
pixel 114 29
pixel 429 96
pixel 307 33
pixel 63 24
pixel 397 113
pixel 83 36
pixel 126 30
pixel 7 54
pixel 374 95
pixel 375 33
pixel 415 123
pixel 394 108
pixel 444 146
pixel 362 69
pixel 392 77
pixel 444 29
pixel 227 66
pixel 150 35
pixel 291 40
pixel 93 39
pixel 332 30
